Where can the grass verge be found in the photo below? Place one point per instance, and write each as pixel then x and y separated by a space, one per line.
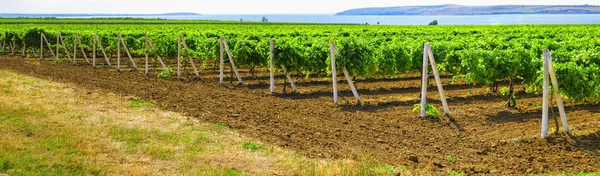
pixel 47 128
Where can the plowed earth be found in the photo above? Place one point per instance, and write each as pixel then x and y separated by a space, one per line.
pixel 483 135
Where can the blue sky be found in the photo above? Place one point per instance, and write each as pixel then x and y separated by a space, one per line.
pixel 238 6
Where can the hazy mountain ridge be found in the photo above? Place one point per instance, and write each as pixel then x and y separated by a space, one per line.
pixel 452 9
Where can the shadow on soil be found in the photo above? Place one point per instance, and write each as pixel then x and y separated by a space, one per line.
pixel 512 116
pixel 375 92
pixel 589 142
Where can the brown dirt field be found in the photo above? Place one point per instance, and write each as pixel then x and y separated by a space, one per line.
pixel 484 136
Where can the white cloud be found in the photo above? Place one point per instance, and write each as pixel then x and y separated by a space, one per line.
pixel 234 6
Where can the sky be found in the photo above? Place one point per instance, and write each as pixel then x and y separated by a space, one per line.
pixel 239 6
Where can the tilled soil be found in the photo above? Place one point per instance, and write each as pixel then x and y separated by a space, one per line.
pixel 482 134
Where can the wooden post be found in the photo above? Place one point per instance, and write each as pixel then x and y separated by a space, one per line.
pixel 57 43
pixel 438 81
pixel 154 49
pixel 272 80
pixel 545 98
pixel 559 101
pixel 232 61
pixel 424 84
pixel 49 48
pixel 12 48
pixel 41 46
pixel 190 57
pixel 94 51
pixel 98 42
pixel 82 51
pixel 287 74
pixel 74 48
pixel 146 52
pixel 428 53
pixel 118 54
pixel 347 76
pixel 178 56
pixel 221 62
pixel 64 46
pixel 333 73
pixel 128 53
pixel 352 86
pixel 24 49
pixel 3 44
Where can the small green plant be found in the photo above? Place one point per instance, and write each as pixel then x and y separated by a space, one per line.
pixel 504 91
pixel 451 159
pixel 454 173
pixel 166 73
pixel 430 110
pixel 140 103
pixel 253 146
pixel 221 126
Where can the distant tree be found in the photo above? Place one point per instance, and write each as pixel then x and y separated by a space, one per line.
pixel 434 22
pixel 264 19
pixel 378 23
pixel 241 20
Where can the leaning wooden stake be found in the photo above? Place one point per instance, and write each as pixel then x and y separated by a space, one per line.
pixel 428 58
pixel 121 41
pixel 231 60
pixel 77 40
pixel 335 51
pixel 190 59
pixel 559 101
pixel 82 51
pixel 43 38
pixel 287 74
pixel 549 72
pixel 99 43
pixel 272 80
pixel 149 42
pixel 12 49
pixel 438 81
pixel 60 39
pixel 352 87
pixel 347 76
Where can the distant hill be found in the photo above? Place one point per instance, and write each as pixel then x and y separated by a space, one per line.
pixel 452 9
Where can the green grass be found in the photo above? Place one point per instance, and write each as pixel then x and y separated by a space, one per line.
pixel 254 146
pixel 451 159
pixel 220 172
pixel 141 103
pixel 452 172
pixel 34 149
pixel 221 126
